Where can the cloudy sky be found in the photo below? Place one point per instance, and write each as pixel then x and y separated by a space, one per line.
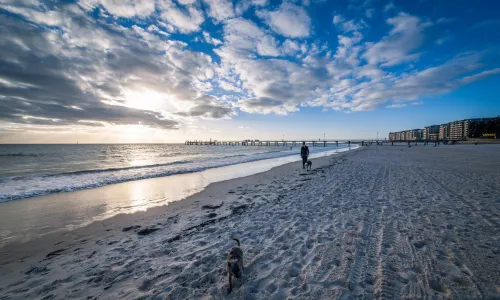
pixel 170 70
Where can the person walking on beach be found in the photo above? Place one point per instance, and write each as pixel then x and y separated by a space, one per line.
pixel 304 153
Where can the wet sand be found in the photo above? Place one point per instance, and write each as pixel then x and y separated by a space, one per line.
pixel 381 222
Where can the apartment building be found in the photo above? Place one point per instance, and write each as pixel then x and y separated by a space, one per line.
pixel 407 135
pixel 444 131
pixel 431 132
pixel 482 128
pixel 456 130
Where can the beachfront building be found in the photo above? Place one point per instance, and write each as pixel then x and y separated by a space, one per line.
pixel 397 136
pixel 488 128
pixel 456 130
pixel 431 132
pixel 408 135
pixel 444 131
pixel 419 134
pixel 413 135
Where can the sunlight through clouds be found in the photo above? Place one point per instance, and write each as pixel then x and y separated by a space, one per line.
pixel 169 63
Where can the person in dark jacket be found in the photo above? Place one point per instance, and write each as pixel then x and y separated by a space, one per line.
pixel 304 153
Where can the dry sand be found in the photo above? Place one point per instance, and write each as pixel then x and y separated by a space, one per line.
pixel 381 222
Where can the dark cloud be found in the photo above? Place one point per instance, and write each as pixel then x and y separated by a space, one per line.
pixel 15 110
pixel 208 111
pixel 261 102
pixel 74 73
pixel 40 83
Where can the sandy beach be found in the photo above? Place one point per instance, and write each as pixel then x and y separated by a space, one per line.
pixel 380 222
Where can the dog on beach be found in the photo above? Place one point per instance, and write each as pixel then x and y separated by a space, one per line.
pixel 309 164
pixel 234 264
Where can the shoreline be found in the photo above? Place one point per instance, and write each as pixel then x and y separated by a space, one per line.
pixel 394 221
pixel 70 210
pixel 98 227
pixel 74 185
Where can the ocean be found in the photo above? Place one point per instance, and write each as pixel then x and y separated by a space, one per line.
pixel 35 170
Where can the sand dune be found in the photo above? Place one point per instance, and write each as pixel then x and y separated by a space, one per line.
pixel 375 223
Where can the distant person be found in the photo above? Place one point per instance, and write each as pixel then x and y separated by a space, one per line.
pixel 304 153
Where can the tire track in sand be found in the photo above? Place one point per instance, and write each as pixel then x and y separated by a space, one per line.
pixel 363 273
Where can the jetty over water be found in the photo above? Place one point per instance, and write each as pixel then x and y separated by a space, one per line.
pixel 282 143
pixel 319 143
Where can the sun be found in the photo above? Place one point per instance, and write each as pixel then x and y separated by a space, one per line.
pixel 145 100
pixel 151 100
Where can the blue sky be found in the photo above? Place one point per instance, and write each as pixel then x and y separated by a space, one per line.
pixel 170 70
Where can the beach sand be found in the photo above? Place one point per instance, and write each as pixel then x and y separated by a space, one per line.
pixel 380 222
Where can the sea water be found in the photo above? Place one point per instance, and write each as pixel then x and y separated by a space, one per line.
pixel 35 170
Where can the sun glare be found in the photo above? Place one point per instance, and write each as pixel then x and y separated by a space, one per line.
pixel 147 100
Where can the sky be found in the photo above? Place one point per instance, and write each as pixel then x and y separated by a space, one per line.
pixel 135 71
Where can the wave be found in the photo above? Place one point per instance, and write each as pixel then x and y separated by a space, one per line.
pixel 117 169
pixel 86 179
pixel 20 155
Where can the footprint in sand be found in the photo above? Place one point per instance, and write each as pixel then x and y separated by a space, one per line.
pixel 437 286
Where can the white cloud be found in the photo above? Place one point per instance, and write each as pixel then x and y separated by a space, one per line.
pixel 288 20
pixel 38 15
pixel 369 13
pixel 405 37
pixel 389 6
pixel 168 27
pixel 290 47
pixel 338 19
pixel 268 46
pixel 244 5
pixel 401 105
pixel 185 19
pixel 479 76
pixel 270 85
pixel 347 26
pixel 443 40
pixel 220 9
pixel 154 28
pixel 243 38
pixel 123 8
pixel 209 39
pixel 186 2
pixel 411 87
pixel 369 71
pixel 229 86
pixel 347 51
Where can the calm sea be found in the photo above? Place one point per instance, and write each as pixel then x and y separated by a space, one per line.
pixel 34 170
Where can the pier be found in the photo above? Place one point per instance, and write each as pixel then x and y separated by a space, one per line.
pixel 319 143
pixel 283 143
